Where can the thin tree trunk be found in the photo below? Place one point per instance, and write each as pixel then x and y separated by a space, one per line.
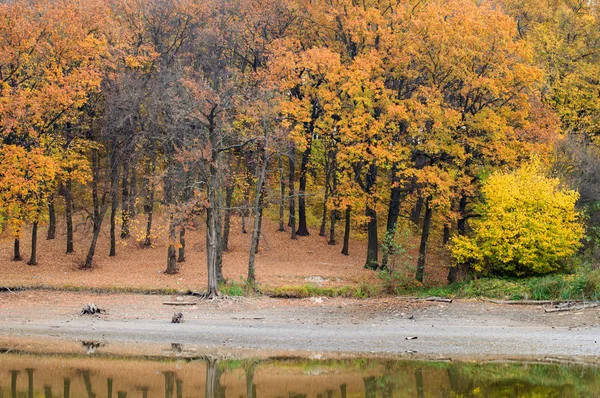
pixel 149 207
pixel 181 257
pixel 424 238
pixel 171 253
pixel 415 214
pixel 302 225
pixel 372 238
pixel 245 209
pixel 213 245
pixel 227 217
pixel 325 195
pixel 461 229
pixel 125 202
pixel 257 210
pixel 17 250
pixel 114 202
pixel 332 228
pixel 69 214
pixel 393 213
pixel 100 206
pixel 51 219
pixel 372 241
pixel 291 183
pixel 282 193
pixel 132 193
pixel 33 258
pixel 446 238
pixel 346 247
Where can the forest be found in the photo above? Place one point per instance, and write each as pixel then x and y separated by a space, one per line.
pixel 471 125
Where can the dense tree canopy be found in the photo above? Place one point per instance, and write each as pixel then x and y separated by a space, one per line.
pixel 187 110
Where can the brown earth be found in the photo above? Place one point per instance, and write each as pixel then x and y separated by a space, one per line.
pixel 280 262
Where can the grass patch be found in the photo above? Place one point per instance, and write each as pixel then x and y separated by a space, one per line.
pixel 582 286
pixel 363 290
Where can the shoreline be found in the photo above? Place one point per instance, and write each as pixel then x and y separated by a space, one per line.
pixel 325 328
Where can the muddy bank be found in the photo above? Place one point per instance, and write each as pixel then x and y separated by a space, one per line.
pixel 462 329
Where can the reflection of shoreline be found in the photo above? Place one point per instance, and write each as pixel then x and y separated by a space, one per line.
pixel 99 376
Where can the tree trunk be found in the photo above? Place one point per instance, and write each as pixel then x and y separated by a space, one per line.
pixel 415 214
pixel 372 238
pixel 257 210
pixel 332 228
pixel 302 225
pixel 69 214
pixel 424 238
pixel 461 229
pixel 51 219
pixel 446 238
pixel 17 250
pixel 227 217
pixel 219 220
pixel 393 212
pixel 114 201
pixel 346 247
pixel 245 209
pixel 125 202
pixel 171 253
pixel 149 206
pixel 132 193
pixel 100 207
pixel 325 195
pixel 181 257
pixel 33 258
pixel 213 245
pixel 282 193
pixel 372 241
pixel 291 183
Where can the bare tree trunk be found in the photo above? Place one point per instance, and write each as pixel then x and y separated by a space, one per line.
pixel 326 194
pixel 282 193
pixel 33 259
pixel 51 219
pixel 17 250
pixel 69 214
pixel 372 238
pixel 213 245
pixel 132 193
pixel 149 206
pixel 334 213
pixel 424 238
pixel 227 217
pixel 181 257
pixel 114 203
pixel 302 225
pixel 171 254
pixel 291 183
pixel 372 241
pixel 461 229
pixel 245 209
pixel 125 202
pixel 393 212
pixel 346 247
pixel 100 205
pixel 257 209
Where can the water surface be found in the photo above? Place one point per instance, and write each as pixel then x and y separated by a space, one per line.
pixel 96 375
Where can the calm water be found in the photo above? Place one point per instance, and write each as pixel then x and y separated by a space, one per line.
pixel 97 375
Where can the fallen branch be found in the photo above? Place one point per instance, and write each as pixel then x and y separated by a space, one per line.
pixel 436 299
pixel 573 308
pixel 180 303
pixel 530 302
pixel 252 318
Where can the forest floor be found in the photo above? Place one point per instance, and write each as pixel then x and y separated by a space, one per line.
pixel 280 262
pixel 324 327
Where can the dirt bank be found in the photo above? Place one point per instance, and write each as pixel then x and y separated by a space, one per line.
pixel 463 329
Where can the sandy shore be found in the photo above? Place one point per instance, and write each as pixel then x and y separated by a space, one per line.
pixel 395 327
